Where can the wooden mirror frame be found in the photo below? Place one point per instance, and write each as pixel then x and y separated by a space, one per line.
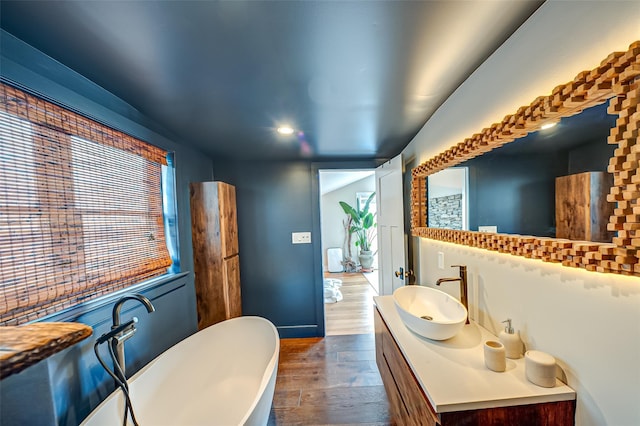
pixel 617 81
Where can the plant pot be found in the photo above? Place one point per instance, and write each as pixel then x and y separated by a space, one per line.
pixel 366 259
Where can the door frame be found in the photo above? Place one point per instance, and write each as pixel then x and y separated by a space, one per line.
pixel 316 230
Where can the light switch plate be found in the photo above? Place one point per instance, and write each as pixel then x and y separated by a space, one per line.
pixel 440 260
pixel 301 238
pixel 487 228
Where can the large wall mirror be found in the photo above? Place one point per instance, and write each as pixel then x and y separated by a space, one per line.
pixel 558 180
pixel 513 189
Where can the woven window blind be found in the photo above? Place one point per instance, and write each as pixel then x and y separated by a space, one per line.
pixel 80 209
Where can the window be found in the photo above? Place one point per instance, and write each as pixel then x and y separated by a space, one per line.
pixel 361 201
pixel 81 209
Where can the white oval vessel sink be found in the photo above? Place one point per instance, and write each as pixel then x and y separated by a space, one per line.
pixel 429 312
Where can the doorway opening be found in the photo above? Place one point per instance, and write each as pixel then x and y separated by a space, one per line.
pixel 348 290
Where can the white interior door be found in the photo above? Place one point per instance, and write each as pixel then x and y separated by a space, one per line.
pixel 392 263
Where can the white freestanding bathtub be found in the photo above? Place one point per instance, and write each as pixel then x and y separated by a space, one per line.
pixel 222 375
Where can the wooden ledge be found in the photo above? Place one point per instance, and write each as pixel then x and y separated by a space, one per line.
pixel 24 345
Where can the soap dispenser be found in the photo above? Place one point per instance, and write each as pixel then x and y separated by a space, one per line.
pixel 513 346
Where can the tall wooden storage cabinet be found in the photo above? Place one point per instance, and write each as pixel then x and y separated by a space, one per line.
pixel 582 209
pixel 214 231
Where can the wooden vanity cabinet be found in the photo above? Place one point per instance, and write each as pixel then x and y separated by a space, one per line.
pixel 411 407
pixel 214 232
pixel 408 403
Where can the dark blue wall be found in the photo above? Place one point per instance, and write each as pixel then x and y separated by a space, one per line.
pixel 280 281
pixel 591 157
pixel 66 387
pixel 517 192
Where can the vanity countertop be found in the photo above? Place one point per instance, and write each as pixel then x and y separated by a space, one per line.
pixel 25 345
pixel 452 373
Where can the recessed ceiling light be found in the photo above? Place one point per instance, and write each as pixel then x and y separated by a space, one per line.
pixel 285 130
pixel 548 125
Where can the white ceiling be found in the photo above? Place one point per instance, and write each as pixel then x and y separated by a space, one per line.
pixel 447 182
pixel 331 180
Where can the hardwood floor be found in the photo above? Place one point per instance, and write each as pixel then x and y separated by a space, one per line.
pixel 353 314
pixel 329 381
pixel 334 380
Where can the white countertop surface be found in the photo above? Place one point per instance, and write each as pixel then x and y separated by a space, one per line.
pixel 452 373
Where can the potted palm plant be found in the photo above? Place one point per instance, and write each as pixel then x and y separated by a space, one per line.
pixel 363 226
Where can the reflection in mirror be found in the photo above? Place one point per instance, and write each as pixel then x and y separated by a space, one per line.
pixel 513 188
pixel 447 199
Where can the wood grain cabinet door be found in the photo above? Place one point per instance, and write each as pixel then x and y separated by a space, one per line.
pixel 231 272
pixel 409 403
pixel 214 232
pixel 228 219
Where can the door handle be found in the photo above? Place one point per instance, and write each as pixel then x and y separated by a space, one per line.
pixel 401 273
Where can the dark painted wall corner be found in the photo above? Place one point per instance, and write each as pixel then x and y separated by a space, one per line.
pixel 66 387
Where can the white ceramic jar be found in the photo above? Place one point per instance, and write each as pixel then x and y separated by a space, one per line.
pixel 540 368
pixel 494 356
